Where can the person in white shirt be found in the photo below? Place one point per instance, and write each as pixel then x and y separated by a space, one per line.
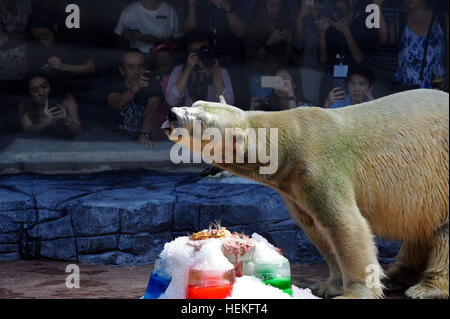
pixel 146 22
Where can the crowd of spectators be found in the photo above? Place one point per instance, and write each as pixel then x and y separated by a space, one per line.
pixel 130 61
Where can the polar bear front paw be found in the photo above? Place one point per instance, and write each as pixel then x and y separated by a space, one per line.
pixel 328 289
pixel 360 291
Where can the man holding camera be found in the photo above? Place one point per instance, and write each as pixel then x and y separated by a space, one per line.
pixel 201 77
pixel 137 97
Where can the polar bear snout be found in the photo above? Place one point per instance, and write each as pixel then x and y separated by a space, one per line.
pixel 173 120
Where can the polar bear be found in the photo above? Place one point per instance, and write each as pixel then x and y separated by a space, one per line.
pixel 380 167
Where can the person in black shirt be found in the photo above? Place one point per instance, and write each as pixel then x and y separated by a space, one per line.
pixel 270 37
pixel 227 20
pixel 344 36
pixel 344 41
pixel 66 65
pixel 269 44
pixel 137 97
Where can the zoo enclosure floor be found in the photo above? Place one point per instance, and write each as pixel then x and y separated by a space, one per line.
pixel 43 279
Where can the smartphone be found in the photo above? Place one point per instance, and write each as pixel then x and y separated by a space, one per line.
pixel 273 82
pixel 339 83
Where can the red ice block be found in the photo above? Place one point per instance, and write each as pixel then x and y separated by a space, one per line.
pixel 218 292
pixel 210 284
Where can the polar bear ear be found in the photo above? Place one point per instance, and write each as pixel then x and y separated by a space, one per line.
pixel 222 99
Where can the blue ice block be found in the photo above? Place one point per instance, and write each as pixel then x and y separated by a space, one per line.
pixel 158 282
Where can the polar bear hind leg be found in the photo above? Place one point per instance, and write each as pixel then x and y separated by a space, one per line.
pixel 407 270
pixel 434 284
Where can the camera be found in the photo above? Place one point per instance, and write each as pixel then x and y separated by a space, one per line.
pixel 207 57
pixel 152 90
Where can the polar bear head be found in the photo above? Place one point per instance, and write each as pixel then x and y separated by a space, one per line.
pixel 209 115
pixel 220 134
pixel 181 121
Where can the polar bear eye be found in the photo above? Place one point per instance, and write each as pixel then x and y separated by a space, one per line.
pixel 207 119
pixel 203 118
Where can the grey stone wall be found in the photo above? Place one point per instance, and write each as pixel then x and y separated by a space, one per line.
pixel 126 218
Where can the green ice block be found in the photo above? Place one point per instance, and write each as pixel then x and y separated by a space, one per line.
pixel 283 283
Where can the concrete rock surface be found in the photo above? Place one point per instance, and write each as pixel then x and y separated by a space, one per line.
pixel 125 218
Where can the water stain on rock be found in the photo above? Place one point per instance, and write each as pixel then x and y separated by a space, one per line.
pixel 92 283
pixel 8 294
pixel 47 271
pixel 91 272
pixel 50 283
